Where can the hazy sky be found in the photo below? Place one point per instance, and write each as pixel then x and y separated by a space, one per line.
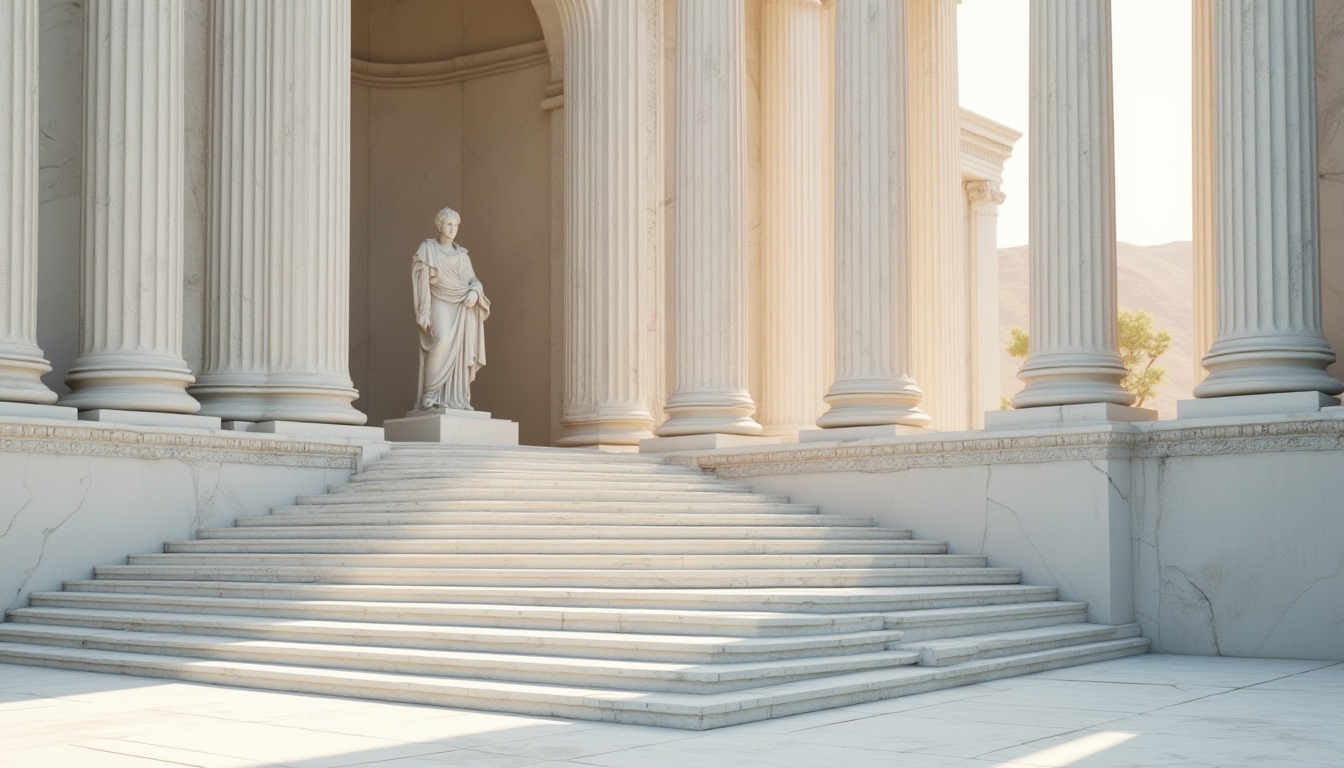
pixel 1151 61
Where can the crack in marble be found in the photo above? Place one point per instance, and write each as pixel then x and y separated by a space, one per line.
pixel 87 482
pixel 1213 619
pixel 1296 599
pixel 1017 518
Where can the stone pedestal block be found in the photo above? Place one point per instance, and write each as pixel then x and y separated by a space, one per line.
pixel 709 442
pixel 150 418
pixel 859 433
pixel 453 427
pixel 35 411
pixel 1251 405
pixel 303 429
pixel 1066 416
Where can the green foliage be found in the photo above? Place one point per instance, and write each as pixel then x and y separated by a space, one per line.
pixel 1140 346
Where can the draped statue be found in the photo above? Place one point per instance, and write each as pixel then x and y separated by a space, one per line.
pixel 450 308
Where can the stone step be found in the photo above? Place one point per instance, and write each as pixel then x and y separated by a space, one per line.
pixel 612 507
pixel 698 649
pixel 941 653
pixel 563 562
pixel 679 519
pixel 630 534
pixel 530 577
pixel 939 623
pixel 677 710
pixel 529 545
pixel 789 600
pixel 359 484
pixel 508 476
pixel 611 674
pixel 520 453
pixel 543 469
pixel 495 494
pixel 728 623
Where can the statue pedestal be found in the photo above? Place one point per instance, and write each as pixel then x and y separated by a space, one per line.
pixel 452 427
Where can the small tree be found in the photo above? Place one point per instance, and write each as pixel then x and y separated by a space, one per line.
pixel 1140 346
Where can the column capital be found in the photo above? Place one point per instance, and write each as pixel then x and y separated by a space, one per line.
pixel 984 191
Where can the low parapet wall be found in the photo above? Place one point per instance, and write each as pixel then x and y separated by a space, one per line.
pixel 1218 536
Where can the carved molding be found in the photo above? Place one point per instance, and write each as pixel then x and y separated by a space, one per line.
pixel 983 448
pixel 456 70
pixel 80 440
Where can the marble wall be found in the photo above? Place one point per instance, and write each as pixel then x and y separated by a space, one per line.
pixel 480 145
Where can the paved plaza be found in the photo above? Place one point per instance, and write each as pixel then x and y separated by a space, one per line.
pixel 1153 710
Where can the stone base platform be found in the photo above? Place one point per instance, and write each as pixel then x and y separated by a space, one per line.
pixel 1281 403
pixel 452 427
pixel 305 429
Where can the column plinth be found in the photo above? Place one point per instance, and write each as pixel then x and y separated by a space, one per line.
pixel 710 264
pixel 1075 355
pixel 131 280
pixel 1266 204
pixel 21 361
pixel 873 385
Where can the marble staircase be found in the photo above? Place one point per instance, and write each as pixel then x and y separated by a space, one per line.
pixel 561 582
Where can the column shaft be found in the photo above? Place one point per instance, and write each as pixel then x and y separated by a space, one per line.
pixel 1074 346
pixel 277 345
pixel 131 280
pixel 938 268
pixel 983 199
pixel 1268 260
pixel 21 361
pixel 873 385
pixel 611 219
pixel 1204 190
pixel 796 267
pixel 710 269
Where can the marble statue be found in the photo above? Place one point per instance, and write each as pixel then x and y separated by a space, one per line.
pixel 450 308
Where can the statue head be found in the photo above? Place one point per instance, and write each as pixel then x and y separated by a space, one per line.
pixel 446 222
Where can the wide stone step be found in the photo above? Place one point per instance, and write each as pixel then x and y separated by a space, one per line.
pixel 632 562
pixel 501 493
pixel 677 710
pixel 679 519
pixel 611 507
pixel 359 484
pixel 941 653
pixel 532 577
pixel 790 600
pixel 618 674
pixel 589 619
pixel 623 533
pixel 593 470
pixel 700 649
pixel 487 454
pixel 559 546
pixel 429 472
pixel 938 623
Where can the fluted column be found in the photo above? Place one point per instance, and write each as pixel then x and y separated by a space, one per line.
pixel 710 263
pixel 130 354
pixel 938 267
pixel 983 199
pixel 277 345
pixel 21 361
pixel 873 385
pixel 796 267
pixel 611 219
pixel 1074 346
pixel 1268 239
pixel 1205 225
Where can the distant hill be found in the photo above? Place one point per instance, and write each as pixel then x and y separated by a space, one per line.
pixel 1156 278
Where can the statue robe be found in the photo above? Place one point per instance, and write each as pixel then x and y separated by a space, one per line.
pixel 452 334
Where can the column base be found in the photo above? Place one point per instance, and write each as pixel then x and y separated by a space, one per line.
pixel 708 413
pixel 1072 379
pixel 709 442
pixel 130 383
pixel 34 411
pixel 872 403
pixel 608 430
pixel 268 400
pixel 845 434
pixel 1260 366
pixel 150 419
pixel 1066 416
pixel 1279 403
pixel 452 427
pixel 21 379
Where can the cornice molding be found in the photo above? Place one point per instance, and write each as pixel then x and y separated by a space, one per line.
pixel 456 70
pixel 114 442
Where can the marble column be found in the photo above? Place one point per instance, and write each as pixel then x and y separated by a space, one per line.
pixel 983 199
pixel 1266 207
pixel 796 267
pixel 612 198
pixel 873 385
pixel 709 359
pixel 1074 342
pixel 938 267
pixel 130 355
pixel 277 327
pixel 21 361
pixel 1204 227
